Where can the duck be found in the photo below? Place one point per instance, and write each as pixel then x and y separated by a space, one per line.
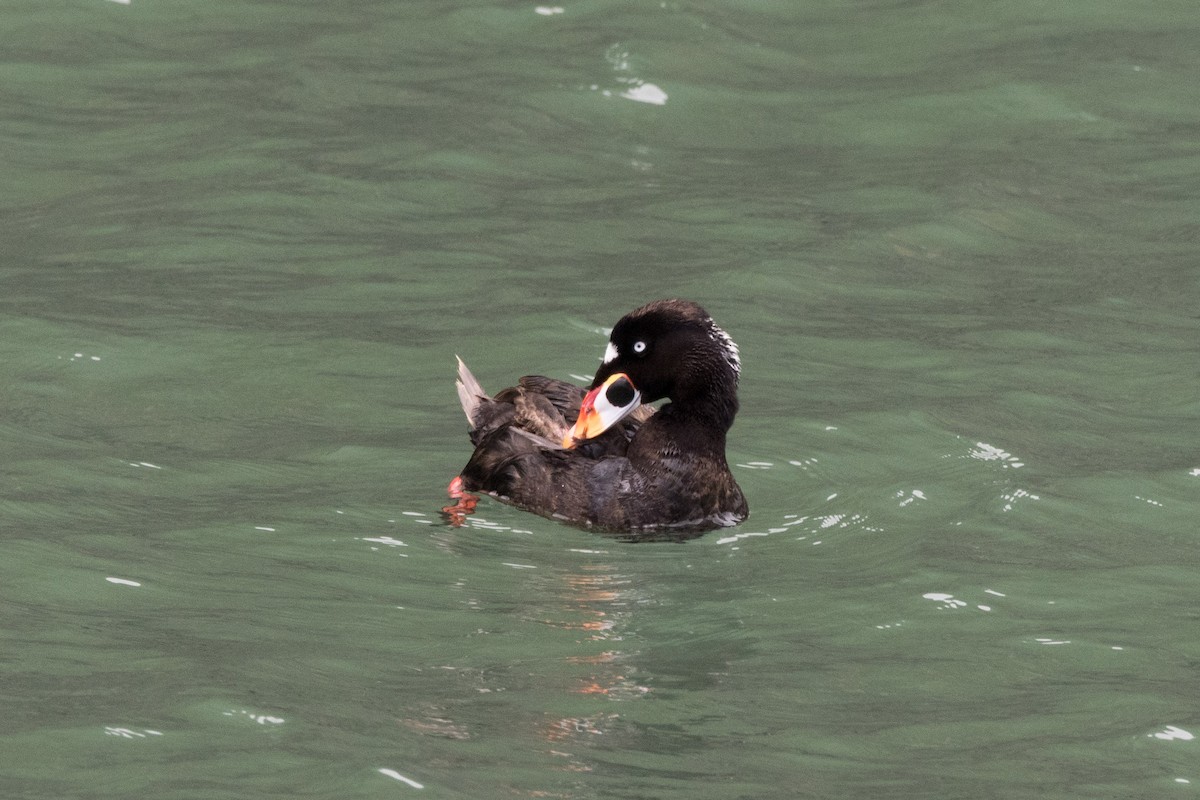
pixel 603 457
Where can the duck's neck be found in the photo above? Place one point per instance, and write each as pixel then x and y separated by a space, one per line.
pixel 698 424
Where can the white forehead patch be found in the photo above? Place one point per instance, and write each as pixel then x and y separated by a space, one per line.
pixel 610 353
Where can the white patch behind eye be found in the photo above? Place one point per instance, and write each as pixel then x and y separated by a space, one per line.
pixel 729 346
pixel 610 352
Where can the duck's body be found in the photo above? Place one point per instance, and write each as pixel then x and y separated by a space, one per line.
pixel 624 467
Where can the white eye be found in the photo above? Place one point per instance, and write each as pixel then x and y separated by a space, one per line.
pixel 639 347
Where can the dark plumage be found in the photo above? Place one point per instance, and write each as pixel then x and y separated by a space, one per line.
pixel 648 472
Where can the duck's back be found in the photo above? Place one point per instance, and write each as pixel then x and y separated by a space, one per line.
pixel 518 457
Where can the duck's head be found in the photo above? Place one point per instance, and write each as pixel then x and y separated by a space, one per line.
pixel 668 348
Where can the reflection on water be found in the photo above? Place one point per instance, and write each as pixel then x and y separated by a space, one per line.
pixel 595 605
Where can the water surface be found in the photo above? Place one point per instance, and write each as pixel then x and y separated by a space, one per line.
pixel 244 241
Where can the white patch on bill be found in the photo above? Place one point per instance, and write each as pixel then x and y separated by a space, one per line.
pixel 610 353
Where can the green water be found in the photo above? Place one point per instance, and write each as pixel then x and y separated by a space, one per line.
pixel 242 243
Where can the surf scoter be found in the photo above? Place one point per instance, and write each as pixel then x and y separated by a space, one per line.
pixel 602 459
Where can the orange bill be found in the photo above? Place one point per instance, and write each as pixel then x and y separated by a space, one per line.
pixel 602 408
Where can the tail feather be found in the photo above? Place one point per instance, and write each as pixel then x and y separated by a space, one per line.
pixel 470 393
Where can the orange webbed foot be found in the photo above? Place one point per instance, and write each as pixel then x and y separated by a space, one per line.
pixel 456 514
